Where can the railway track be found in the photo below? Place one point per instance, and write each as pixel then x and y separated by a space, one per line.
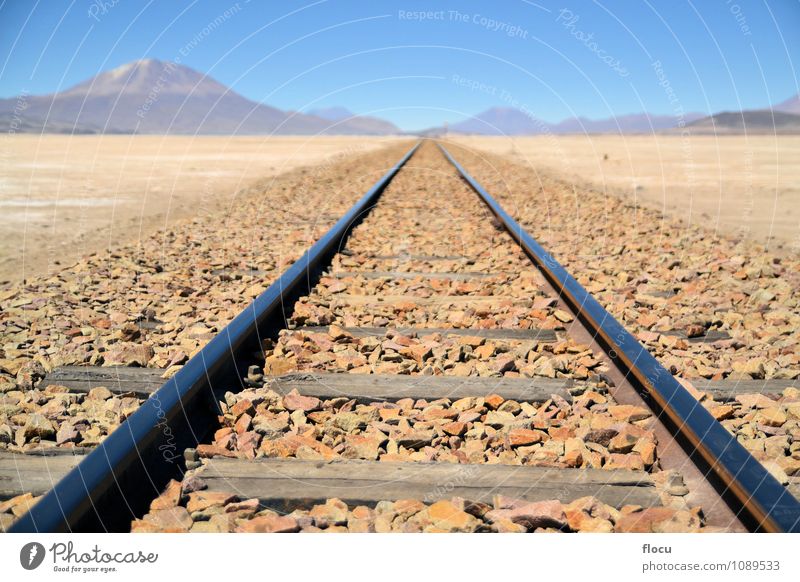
pixel 425 366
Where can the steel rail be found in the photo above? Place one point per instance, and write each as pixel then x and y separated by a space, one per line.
pixel 116 481
pixel 765 505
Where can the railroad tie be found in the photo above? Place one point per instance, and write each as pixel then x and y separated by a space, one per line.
pixel 286 484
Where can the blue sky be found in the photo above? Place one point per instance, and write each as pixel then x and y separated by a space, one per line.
pixel 557 59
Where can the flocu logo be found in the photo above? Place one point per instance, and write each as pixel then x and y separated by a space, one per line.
pixel 31 555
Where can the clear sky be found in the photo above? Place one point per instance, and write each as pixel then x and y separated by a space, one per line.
pixel 557 59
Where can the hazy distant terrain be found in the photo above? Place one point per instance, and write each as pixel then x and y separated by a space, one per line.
pixel 740 122
pixel 781 118
pixel 362 124
pixel 510 121
pixel 791 105
pixel 156 97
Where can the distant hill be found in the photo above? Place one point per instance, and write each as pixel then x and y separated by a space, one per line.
pixel 630 123
pixel 499 121
pixel 782 118
pixel 332 113
pixel 510 121
pixel 756 121
pixel 156 97
pixel 363 123
pixel 791 105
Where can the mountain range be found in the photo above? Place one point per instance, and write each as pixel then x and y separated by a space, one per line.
pixel 781 118
pixel 510 121
pixel 163 97
pixel 155 97
pixel 741 122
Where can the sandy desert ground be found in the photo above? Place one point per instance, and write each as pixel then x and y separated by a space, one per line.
pixel 62 197
pixel 747 186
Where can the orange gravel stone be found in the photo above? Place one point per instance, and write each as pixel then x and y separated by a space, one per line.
pixel 449 518
pixel 241 407
pixel 200 500
pixel 493 401
pixel 523 436
pixel 642 520
pixel 269 524
pixel 294 401
pixel 455 428
pixel 169 498
pixel 628 413
pixel 207 451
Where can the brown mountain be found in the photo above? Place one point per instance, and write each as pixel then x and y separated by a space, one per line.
pixel 781 118
pixel 156 97
pixel 740 122
pixel 369 125
pixel 791 105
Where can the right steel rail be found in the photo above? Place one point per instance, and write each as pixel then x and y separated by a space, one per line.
pixel 759 500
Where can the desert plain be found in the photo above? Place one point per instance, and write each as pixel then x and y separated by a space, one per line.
pixel 747 186
pixel 63 197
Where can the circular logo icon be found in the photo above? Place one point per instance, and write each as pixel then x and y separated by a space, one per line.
pixel 31 555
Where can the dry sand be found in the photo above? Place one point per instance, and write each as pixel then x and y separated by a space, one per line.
pixel 747 186
pixel 62 197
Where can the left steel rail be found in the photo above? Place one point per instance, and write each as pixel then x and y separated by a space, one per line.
pixel 118 479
